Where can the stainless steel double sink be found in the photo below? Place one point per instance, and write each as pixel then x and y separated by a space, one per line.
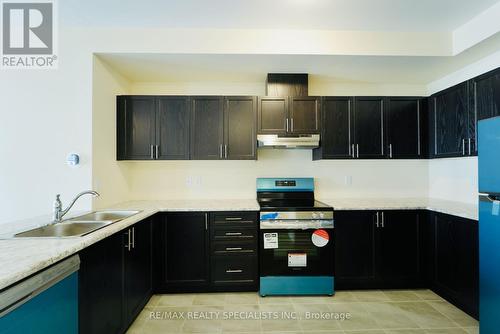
pixel 78 226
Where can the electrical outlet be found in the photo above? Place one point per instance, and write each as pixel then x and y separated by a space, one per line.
pixel 348 180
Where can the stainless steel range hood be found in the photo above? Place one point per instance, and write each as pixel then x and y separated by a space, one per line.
pixel 294 142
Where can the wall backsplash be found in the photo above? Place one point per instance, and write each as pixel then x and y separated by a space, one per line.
pixel 236 179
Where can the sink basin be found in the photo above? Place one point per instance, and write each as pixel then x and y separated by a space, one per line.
pixel 64 229
pixel 100 216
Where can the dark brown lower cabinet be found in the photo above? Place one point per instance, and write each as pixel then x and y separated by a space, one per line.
pixel 115 280
pixel 377 249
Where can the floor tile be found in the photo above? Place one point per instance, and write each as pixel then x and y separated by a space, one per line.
pixel 400 295
pixel 446 331
pixel 242 298
pixel 275 300
pixel 210 299
pixel 472 330
pixel 175 300
pixel 405 331
pixel 426 294
pixel 370 296
pixel 389 316
pixel 343 297
pixel 358 317
pixel 455 314
pixel 424 315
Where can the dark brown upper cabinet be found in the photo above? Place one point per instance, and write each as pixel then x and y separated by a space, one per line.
pixel 207 135
pixel 289 115
pixel 368 125
pixel 486 93
pixel 403 127
pixel 453 122
pixel 152 128
pixel 336 132
pixel 240 138
pixel 223 128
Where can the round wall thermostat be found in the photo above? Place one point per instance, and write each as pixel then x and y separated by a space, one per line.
pixel 73 159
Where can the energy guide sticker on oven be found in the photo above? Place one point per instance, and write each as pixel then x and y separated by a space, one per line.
pixel 270 240
pixel 297 259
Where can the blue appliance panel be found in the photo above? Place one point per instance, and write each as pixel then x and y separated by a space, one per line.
pixel 285 184
pixel 54 310
pixel 489 266
pixel 296 285
pixel 489 155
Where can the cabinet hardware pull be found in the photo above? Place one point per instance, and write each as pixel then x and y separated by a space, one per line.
pixel 233 248
pixel 353 151
pixel 463 146
pixel 233 233
pixel 377 223
pixel 133 237
pixel 232 271
pixel 383 219
pixel 357 150
pixel 225 151
pixel 390 151
pixel 291 124
pixel 220 151
pixel 233 218
pixel 470 147
pixel 157 149
pixel 287 125
pixel 152 153
pixel 206 221
pixel 127 246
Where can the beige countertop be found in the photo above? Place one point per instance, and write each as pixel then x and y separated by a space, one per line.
pixel 22 257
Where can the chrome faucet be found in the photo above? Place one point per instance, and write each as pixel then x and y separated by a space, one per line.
pixel 58 210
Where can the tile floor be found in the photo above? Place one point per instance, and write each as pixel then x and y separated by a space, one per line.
pixel 353 312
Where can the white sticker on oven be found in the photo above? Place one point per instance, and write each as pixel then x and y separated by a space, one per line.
pixel 320 238
pixel 297 259
pixel 270 240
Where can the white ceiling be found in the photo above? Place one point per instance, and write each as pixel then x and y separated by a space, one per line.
pixel 369 15
pixel 253 68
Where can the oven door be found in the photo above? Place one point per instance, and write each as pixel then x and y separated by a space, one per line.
pixel 296 252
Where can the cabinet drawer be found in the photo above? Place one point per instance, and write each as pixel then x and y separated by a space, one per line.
pixel 234 233
pixel 242 219
pixel 234 247
pixel 234 269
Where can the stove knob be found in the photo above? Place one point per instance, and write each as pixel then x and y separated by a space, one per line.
pixel 321 215
pixel 315 215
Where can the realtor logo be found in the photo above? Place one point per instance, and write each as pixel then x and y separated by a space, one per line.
pixel 28 38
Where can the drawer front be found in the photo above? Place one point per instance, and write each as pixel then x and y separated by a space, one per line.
pixel 234 233
pixel 225 248
pixel 234 269
pixel 242 219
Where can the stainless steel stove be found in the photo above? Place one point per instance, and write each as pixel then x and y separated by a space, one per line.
pixel 296 239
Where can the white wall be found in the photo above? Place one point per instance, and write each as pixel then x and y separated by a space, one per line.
pixel 109 177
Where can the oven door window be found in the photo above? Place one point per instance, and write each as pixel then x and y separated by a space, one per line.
pixel 296 254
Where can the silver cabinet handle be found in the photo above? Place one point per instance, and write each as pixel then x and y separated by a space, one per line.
pixel 225 151
pixel 151 151
pixel 390 151
pixel 220 151
pixel 287 125
pixel 383 219
pixel 233 233
pixel 127 246
pixel 291 124
pixel 234 248
pixel 463 146
pixel 353 151
pixel 206 221
pixel 157 149
pixel 133 237
pixel 470 152
pixel 233 271
pixel 377 223
pixel 233 218
pixel 357 150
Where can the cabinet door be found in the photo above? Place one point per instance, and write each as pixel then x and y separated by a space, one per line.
pixel 304 115
pixel 136 127
pixel 138 267
pixel 273 115
pixel 403 127
pixel 101 287
pixel 336 139
pixel 369 127
pixel 186 250
pixel 354 249
pixel 207 128
pixel 239 128
pixel 456 261
pixel 398 243
pixel 172 128
pixel 487 94
pixel 451 123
